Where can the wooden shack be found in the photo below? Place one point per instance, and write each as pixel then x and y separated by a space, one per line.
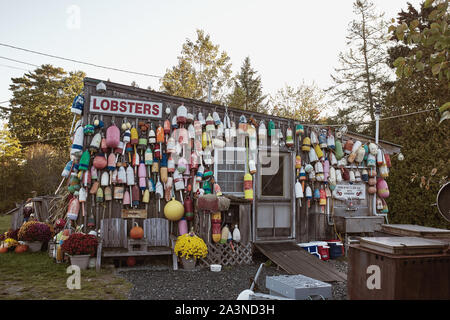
pixel 275 214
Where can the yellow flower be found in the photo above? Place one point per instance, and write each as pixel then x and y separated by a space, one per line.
pixel 189 245
pixel 11 242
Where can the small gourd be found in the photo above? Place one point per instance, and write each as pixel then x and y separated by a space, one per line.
pixel 21 248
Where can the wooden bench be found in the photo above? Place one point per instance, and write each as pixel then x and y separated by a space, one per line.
pixel 156 240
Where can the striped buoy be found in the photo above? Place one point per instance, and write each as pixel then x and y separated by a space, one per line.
pixel 248 186
pixel 77 144
pixel 73 209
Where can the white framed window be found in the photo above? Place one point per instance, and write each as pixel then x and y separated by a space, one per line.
pixel 230 166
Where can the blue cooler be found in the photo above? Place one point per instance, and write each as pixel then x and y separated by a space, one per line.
pixel 310 247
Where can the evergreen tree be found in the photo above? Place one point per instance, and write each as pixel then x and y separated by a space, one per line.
pixel 201 63
pixel 414 182
pixel 41 105
pixel 247 93
pixel 362 69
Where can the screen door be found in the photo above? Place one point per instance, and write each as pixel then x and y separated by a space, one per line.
pixel 274 203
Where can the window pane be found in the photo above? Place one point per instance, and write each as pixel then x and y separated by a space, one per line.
pixel 221 176
pixel 273 185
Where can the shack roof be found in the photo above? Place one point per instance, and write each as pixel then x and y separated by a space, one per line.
pixel 121 90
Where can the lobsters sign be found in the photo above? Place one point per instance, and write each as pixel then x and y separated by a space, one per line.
pixel 126 107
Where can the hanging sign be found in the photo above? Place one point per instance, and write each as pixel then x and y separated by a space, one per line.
pixel 126 107
pixel 350 191
pixel 134 213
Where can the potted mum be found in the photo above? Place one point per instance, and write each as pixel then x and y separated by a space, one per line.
pixel 34 233
pixel 189 248
pixel 80 247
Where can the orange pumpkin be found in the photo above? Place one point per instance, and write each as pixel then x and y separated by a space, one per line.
pixel 136 232
pixel 21 248
pixel 3 249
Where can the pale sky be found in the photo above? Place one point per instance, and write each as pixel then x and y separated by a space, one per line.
pixel 287 41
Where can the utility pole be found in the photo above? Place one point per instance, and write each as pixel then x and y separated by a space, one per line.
pixel 209 90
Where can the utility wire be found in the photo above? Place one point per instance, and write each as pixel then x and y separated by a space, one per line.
pixel 368 122
pixel 18 61
pixel 78 61
pixel 12 67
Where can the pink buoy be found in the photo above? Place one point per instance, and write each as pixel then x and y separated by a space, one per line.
pixel 126 198
pixel 100 161
pixel 182 227
pixel 112 136
pixel 382 188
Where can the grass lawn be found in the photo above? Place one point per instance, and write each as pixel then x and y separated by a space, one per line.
pixel 5 223
pixel 36 276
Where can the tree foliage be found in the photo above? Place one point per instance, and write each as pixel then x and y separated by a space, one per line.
pixel 414 182
pixel 41 105
pixel 10 147
pixel 247 93
pixel 429 35
pixel 303 103
pixel 201 62
pixel 362 69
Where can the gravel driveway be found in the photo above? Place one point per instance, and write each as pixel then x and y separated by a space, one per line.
pixel 161 283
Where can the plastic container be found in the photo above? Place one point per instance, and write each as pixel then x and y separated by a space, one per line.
pixel 310 247
pixel 215 267
pixel 323 249
pixel 335 246
pixel 338 246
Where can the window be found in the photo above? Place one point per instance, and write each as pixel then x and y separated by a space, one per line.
pixel 230 166
pixel 274 179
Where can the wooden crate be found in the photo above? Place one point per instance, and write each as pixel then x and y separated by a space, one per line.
pixel 224 255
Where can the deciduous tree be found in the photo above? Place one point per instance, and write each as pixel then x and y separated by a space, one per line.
pixel 303 103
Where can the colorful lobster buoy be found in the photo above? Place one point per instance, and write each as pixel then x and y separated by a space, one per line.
pixel 112 136
pixel 339 151
pixel 216 220
pixel 73 209
pixel 248 186
pixel 299 129
pixel 289 138
pixel 308 195
pixel 382 188
pixel 77 144
pixel 306 146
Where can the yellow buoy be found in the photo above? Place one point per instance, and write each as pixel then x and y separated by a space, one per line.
pixel 174 210
pixel 248 186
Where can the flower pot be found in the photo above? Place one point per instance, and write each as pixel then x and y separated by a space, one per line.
pixel 34 246
pixel 80 260
pixel 188 264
